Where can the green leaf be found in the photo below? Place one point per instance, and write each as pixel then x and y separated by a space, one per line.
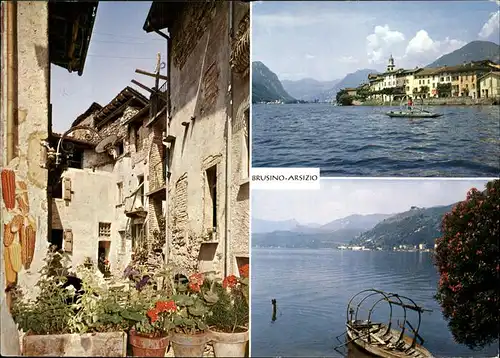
pixel 197 310
pixel 133 316
pixel 183 300
pixel 211 297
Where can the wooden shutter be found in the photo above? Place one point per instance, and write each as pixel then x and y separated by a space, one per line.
pixel 67 189
pixel 68 240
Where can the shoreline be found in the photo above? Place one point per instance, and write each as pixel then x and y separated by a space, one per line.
pixel 371 104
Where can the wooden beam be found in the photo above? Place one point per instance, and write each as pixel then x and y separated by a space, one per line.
pixel 142 86
pixel 142 72
pixel 150 90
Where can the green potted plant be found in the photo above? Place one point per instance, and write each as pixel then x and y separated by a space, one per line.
pixel 149 335
pixel 229 319
pixel 193 299
pixel 62 321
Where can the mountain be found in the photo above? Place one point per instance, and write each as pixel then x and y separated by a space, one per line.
pixel 358 223
pixel 473 51
pixel 351 80
pixel 413 227
pixel 266 87
pixel 291 234
pixel 307 89
pixel 290 239
pixel 355 222
pixel 264 226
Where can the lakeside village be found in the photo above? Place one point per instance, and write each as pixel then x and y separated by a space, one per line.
pixel 405 248
pixel 402 248
pixel 476 82
pixel 471 83
pixel 123 235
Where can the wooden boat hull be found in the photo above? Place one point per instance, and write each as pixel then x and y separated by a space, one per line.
pixel 375 348
pixel 413 115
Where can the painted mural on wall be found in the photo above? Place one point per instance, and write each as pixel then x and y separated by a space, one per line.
pixel 19 229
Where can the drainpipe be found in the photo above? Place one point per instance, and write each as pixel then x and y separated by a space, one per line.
pixel 12 120
pixel 229 114
pixel 168 153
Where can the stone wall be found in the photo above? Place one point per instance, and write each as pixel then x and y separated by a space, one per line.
pixel 33 106
pixel 96 194
pixel 240 186
pixel 200 79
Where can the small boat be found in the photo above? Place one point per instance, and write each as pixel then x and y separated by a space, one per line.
pixel 413 112
pixel 380 339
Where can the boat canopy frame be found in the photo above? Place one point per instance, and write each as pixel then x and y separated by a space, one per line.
pixel 391 299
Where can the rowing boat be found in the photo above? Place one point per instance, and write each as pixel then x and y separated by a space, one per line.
pixel 413 114
pixel 383 339
pixel 378 340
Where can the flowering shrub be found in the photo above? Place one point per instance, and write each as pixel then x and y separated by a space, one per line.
pixel 230 313
pixel 468 260
pixel 193 299
pixel 158 321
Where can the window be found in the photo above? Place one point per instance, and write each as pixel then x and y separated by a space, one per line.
pixel 138 137
pixel 57 190
pixel 119 189
pixel 137 232
pixel 242 261
pixel 211 197
pixel 140 193
pixel 120 148
pixel 76 159
pixel 104 229
pixel 56 238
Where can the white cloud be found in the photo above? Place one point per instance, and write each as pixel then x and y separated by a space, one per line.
pixel 348 59
pixel 380 41
pixel 423 48
pixel 496 1
pixel 310 57
pixel 491 26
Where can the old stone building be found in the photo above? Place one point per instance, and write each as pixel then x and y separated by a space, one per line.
pixel 98 202
pixel 206 133
pixel 33 35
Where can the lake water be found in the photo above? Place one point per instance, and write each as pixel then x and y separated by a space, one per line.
pixel 363 141
pixel 313 287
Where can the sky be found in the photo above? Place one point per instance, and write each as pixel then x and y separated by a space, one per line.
pixel 326 40
pixel 118 46
pixel 339 198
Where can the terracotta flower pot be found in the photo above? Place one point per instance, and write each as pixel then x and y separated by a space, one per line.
pixel 143 346
pixel 229 344
pixel 189 345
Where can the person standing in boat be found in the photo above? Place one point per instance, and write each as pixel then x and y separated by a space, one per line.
pixel 410 103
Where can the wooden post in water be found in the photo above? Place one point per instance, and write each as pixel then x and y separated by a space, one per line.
pixel 273 302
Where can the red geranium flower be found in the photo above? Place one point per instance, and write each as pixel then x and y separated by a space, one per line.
pixel 196 279
pixel 194 287
pixel 153 315
pixel 244 270
pixel 230 281
pixel 166 306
